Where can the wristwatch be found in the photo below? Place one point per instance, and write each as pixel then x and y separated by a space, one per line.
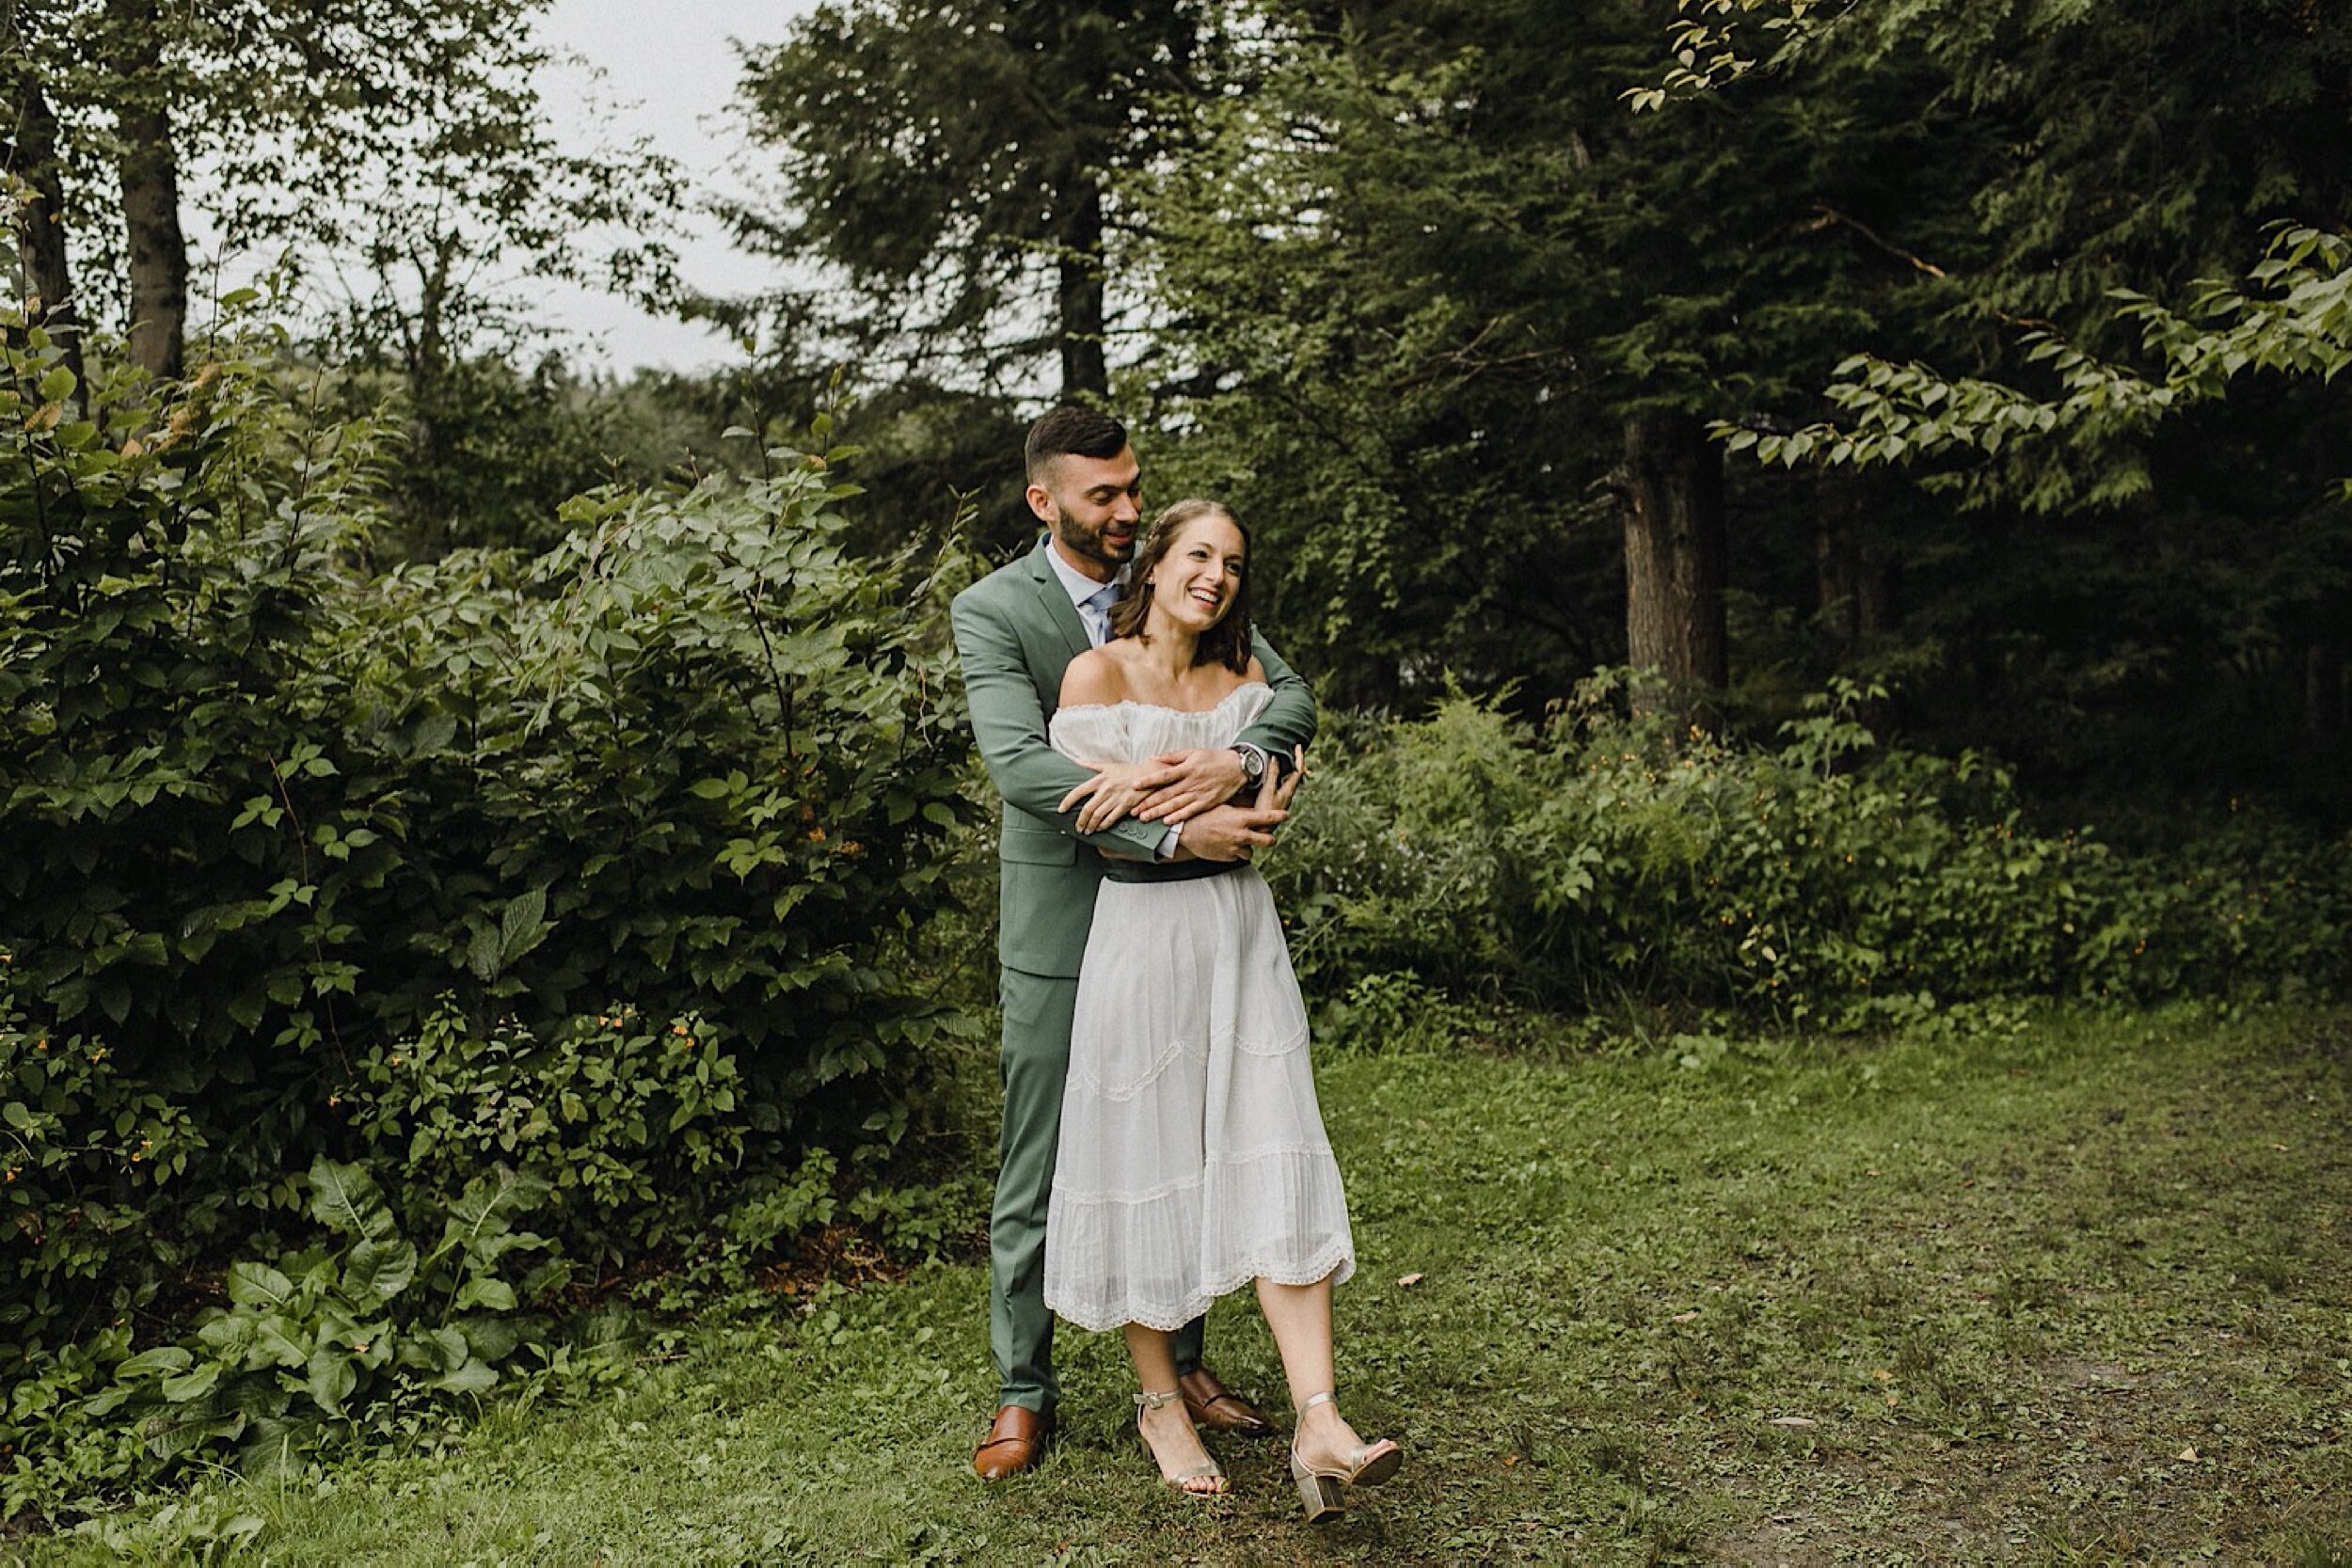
pixel 1253 764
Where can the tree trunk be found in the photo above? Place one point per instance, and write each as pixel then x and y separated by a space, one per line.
pixel 1853 585
pixel 150 193
pixel 2325 693
pixel 1675 547
pixel 31 155
pixel 1084 373
pixel 426 350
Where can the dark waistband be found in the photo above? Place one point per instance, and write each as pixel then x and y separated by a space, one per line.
pixel 1166 871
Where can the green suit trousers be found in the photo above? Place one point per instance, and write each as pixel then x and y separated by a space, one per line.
pixel 1035 1060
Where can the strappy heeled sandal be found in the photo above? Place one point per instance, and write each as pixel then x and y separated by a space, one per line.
pixel 1182 1478
pixel 1320 1486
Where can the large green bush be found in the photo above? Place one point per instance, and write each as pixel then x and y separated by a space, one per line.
pixel 1603 863
pixel 603 870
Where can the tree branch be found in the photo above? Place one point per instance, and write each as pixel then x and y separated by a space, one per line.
pixel 1829 215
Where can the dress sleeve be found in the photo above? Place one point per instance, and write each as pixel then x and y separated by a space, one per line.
pixel 1091 733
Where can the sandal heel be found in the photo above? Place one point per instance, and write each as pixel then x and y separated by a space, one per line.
pixel 1319 1495
pixel 1324 1490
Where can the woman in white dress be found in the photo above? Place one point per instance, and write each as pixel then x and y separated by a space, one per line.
pixel 1192 1158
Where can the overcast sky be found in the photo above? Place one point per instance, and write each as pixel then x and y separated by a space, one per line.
pixel 670 73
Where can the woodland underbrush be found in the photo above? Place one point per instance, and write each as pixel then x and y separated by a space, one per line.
pixel 398 968
pixel 1646 879
pixel 428 985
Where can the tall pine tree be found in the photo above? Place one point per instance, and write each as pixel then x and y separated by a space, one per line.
pixel 956 167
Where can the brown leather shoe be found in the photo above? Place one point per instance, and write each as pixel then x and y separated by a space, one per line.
pixel 1014 1439
pixel 1213 1405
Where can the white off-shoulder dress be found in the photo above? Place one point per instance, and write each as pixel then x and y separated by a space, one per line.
pixel 1192 1157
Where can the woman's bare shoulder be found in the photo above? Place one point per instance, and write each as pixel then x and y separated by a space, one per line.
pixel 1096 675
pixel 1255 674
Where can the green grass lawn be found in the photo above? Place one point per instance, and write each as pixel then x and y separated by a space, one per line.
pixel 2078 1294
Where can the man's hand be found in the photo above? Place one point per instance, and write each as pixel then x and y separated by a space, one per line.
pixel 1228 832
pixel 1113 792
pixel 1194 781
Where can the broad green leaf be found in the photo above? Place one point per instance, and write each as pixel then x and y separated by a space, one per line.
pixel 258 1285
pixel 332 1378
pixel 168 1438
pixel 469 1377
pixel 447 1346
pixel 380 1269
pixel 478 1229
pixel 229 1337
pixel 482 953
pixel 492 1339
pixel 345 1197
pixel 274 1446
pixel 284 1340
pixel 522 924
pixel 192 1384
pixel 162 1358
pixel 109 1399
pixel 496 1295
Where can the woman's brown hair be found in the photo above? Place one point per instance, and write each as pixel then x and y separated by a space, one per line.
pixel 1227 641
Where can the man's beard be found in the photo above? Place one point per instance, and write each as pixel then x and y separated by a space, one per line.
pixel 1091 545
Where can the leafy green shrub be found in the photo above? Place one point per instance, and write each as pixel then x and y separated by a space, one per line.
pixel 80 1147
pixel 264 808
pixel 1395 1010
pixel 1603 862
pixel 641 1142
pixel 345 1333
pixel 676 760
pixel 316 870
pixel 621 1123
pixel 1402 857
pixel 83 1151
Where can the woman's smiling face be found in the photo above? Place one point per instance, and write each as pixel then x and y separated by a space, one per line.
pixel 1194 583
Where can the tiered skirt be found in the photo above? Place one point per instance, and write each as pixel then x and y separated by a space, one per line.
pixel 1192 1157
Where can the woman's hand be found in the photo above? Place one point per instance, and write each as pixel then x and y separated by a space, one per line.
pixel 1278 797
pixel 1112 793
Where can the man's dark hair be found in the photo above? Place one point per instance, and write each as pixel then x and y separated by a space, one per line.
pixel 1072 431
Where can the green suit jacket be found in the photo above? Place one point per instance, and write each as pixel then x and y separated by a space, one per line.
pixel 1016 632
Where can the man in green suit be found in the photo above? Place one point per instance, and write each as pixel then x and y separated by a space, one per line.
pixel 1016 631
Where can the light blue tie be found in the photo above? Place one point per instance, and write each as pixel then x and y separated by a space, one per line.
pixel 1097 605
